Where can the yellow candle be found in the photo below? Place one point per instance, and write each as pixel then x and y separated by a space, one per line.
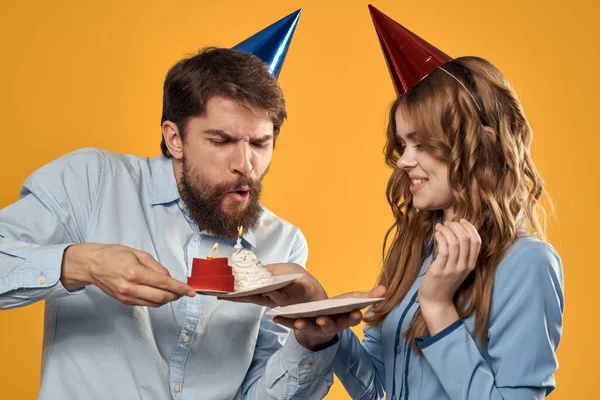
pixel 214 253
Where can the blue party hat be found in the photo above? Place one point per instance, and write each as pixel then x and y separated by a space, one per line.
pixel 272 43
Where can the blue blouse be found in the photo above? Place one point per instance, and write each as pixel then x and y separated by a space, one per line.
pixel 517 363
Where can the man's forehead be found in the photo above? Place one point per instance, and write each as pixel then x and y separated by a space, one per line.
pixel 236 119
pixel 218 105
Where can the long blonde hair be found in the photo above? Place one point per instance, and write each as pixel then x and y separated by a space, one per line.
pixel 494 182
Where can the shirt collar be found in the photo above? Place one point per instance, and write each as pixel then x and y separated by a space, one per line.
pixel 164 184
pixel 249 237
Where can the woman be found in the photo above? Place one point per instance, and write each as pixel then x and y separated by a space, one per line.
pixel 474 300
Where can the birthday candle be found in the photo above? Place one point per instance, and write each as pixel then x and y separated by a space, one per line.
pixel 214 252
pixel 238 245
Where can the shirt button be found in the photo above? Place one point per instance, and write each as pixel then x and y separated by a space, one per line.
pixel 41 279
pixel 177 388
pixel 186 338
pixel 306 366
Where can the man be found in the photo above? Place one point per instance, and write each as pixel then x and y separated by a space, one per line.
pixel 108 239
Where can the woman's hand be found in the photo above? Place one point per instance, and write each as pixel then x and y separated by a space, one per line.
pixel 458 245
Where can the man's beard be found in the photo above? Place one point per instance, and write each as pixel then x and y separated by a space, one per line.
pixel 204 204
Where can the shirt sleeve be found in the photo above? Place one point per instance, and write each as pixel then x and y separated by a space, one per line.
pixel 287 371
pixel 282 368
pixel 524 332
pixel 360 367
pixel 299 252
pixel 55 205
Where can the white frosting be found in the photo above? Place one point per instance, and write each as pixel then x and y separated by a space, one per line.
pixel 248 271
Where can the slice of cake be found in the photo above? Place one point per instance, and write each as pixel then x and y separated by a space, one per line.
pixel 211 274
pixel 248 271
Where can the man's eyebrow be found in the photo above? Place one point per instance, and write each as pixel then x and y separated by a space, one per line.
pixel 220 133
pixel 227 136
pixel 263 139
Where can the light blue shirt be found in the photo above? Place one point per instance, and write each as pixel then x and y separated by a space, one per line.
pixel 518 362
pixel 97 348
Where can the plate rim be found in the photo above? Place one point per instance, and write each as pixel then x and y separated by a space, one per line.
pixel 278 313
pixel 288 278
pixel 224 295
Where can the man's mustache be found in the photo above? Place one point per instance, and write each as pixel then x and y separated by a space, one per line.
pixel 224 189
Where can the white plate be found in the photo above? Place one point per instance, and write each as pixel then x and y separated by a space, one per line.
pixel 279 281
pixel 322 307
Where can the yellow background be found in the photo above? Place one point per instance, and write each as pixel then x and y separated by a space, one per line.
pixel 74 74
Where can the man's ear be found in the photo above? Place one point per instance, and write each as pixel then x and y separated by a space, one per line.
pixel 173 139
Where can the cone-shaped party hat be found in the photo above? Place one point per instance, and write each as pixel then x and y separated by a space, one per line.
pixel 272 43
pixel 409 58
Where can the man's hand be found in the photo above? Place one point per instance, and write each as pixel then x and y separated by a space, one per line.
pixel 301 290
pixel 131 276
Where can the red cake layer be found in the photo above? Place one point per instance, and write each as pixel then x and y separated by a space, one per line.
pixel 222 283
pixel 205 267
pixel 211 274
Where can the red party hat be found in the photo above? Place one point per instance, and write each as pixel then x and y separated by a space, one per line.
pixel 409 58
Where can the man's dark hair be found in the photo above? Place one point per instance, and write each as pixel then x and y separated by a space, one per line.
pixel 228 73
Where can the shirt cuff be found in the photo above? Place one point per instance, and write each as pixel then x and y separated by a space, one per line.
pixel 40 268
pixel 427 340
pixel 311 364
pixel 41 277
